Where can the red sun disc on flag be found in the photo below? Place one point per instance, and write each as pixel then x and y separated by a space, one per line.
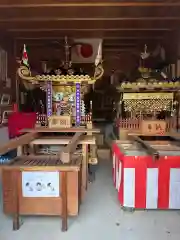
pixel 86 50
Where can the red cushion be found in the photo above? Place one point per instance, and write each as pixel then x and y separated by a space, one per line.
pixel 18 121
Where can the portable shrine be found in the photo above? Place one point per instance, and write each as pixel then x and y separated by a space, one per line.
pixel 150 97
pixel 65 92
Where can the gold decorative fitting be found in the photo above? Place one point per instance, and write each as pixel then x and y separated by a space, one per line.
pixel 151 84
pixel 25 74
pixel 63 78
pixel 145 96
pixel 144 70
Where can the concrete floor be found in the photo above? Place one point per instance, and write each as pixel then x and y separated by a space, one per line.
pixel 100 218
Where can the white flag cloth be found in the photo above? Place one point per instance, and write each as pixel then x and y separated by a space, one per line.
pixel 99 54
pixel 77 52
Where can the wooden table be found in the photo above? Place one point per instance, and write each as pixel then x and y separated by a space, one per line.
pixel 84 141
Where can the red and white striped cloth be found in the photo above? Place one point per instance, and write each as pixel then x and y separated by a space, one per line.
pixel 143 183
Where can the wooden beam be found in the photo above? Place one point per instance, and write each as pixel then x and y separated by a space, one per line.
pixel 90 34
pixel 34 4
pixel 87 30
pixel 122 49
pixel 42 50
pixel 89 12
pixel 88 25
pixel 41 47
pixel 105 45
pixel 60 130
pixel 56 140
pixel 63 19
pixel 150 150
pixel 49 48
pixel 66 152
pixel 56 50
pixel 60 38
pixel 116 42
pixel 20 141
pixel 110 46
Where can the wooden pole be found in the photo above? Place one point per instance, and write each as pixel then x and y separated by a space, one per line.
pixel 64 201
pixel 151 151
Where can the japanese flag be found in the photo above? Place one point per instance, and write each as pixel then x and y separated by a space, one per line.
pixel 86 50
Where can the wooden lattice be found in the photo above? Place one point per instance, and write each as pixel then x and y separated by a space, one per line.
pixel 42 160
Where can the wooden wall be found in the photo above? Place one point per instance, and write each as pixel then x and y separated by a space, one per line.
pixel 6 43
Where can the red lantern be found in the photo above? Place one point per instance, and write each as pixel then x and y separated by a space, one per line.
pixel 86 50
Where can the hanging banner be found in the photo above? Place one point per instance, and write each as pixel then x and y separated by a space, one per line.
pixel 49 98
pixel 78 104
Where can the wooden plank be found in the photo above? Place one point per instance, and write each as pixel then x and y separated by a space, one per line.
pixel 65 154
pixel 123 29
pixel 20 141
pixel 90 24
pixel 83 12
pixel 60 130
pixel 25 20
pixel 18 163
pixel 151 151
pixel 84 169
pixel 168 134
pixel 39 42
pixel 48 3
pixel 91 34
pixel 16 220
pixel 54 140
pixel 64 201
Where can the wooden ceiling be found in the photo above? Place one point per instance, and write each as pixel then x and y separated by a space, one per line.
pixel 122 24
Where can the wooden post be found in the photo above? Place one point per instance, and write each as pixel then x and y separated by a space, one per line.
pixel 32 148
pixel 19 151
pixel 150 150
pixel 15 143
pixel 64 201
pixel 84 169
pixel 93 148
pixel 16 221
pixel 65 154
